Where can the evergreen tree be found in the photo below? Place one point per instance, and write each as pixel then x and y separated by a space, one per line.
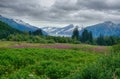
pixel 30 33
pixel 6 30
pixel 100 40
pixel 90 37
pixel 37 32
pixel 110 40
pixel 85 36
pixel 75 34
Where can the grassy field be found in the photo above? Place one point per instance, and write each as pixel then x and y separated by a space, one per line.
pixel 47 61
pixel 81 47
pixel 42 63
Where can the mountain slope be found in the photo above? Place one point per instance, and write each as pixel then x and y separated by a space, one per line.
pixel 57 31
pixel 6 30
pixel 19 24
pixel 107 28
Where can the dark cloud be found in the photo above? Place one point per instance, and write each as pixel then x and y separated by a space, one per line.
pixel 100 4
pixel 62 11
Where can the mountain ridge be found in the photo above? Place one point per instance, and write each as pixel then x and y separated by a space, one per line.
pixel 6 30
pixel 20 25
pixel 106 28
pixel 63 31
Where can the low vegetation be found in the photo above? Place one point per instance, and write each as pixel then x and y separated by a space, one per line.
pixel 42 63
pixel 47 63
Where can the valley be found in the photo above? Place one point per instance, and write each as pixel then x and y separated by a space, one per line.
pixel 70 52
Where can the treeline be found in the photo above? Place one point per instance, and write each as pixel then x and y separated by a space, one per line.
pixel 39 38
pixel 87 37
pixel 10 34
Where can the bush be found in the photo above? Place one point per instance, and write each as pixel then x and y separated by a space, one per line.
pixel 116 48
pixel 107 67
pixel 76 42
pixel 50 41
pixel 57 72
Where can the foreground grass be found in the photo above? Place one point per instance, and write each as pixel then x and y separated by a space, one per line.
pixel 40 63
pixel 21 60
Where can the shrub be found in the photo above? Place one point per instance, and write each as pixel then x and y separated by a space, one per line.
pixel 116 48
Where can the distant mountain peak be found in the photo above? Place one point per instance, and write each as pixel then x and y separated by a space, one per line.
pixel 63 31
pixel 1 16
pixel 69 26
pixel 19 24
pixel 107 28
pixel 109 22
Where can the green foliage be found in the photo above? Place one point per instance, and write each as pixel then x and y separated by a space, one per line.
pixel 40 39
pixel 86 37
pixel 75 34
pixel 37 32
pixel 109 40
pixel 107 67
pixel 100 40
pixel 61 39
pixel 27 38
pixel 6 30
pixel 116 48
pixel 29 63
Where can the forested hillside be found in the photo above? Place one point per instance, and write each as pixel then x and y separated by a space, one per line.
pixel 6 30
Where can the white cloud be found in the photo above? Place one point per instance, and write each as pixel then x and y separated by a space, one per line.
pixel 61 12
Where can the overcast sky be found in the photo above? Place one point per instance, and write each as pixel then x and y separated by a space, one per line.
pixel 61 12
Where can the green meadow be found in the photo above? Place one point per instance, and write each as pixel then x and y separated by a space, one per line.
pixel 81 61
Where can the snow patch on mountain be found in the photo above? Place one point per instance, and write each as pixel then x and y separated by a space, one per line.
pixel 19 24
pixel 64 31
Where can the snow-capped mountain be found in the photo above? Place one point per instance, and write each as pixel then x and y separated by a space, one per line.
pixel 57 31
pixel 19 24
pixel 107 28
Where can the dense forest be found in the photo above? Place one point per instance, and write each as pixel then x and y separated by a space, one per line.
pixel 6 30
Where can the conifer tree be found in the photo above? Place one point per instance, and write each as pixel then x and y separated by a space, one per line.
pixel 75 34
pixel 38 32
pixel 85 36
pixel 90 37
pixel 100 40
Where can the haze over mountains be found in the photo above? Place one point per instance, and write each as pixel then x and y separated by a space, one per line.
pixel 107 28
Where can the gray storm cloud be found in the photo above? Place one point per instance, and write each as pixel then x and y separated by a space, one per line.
pixel 62 11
